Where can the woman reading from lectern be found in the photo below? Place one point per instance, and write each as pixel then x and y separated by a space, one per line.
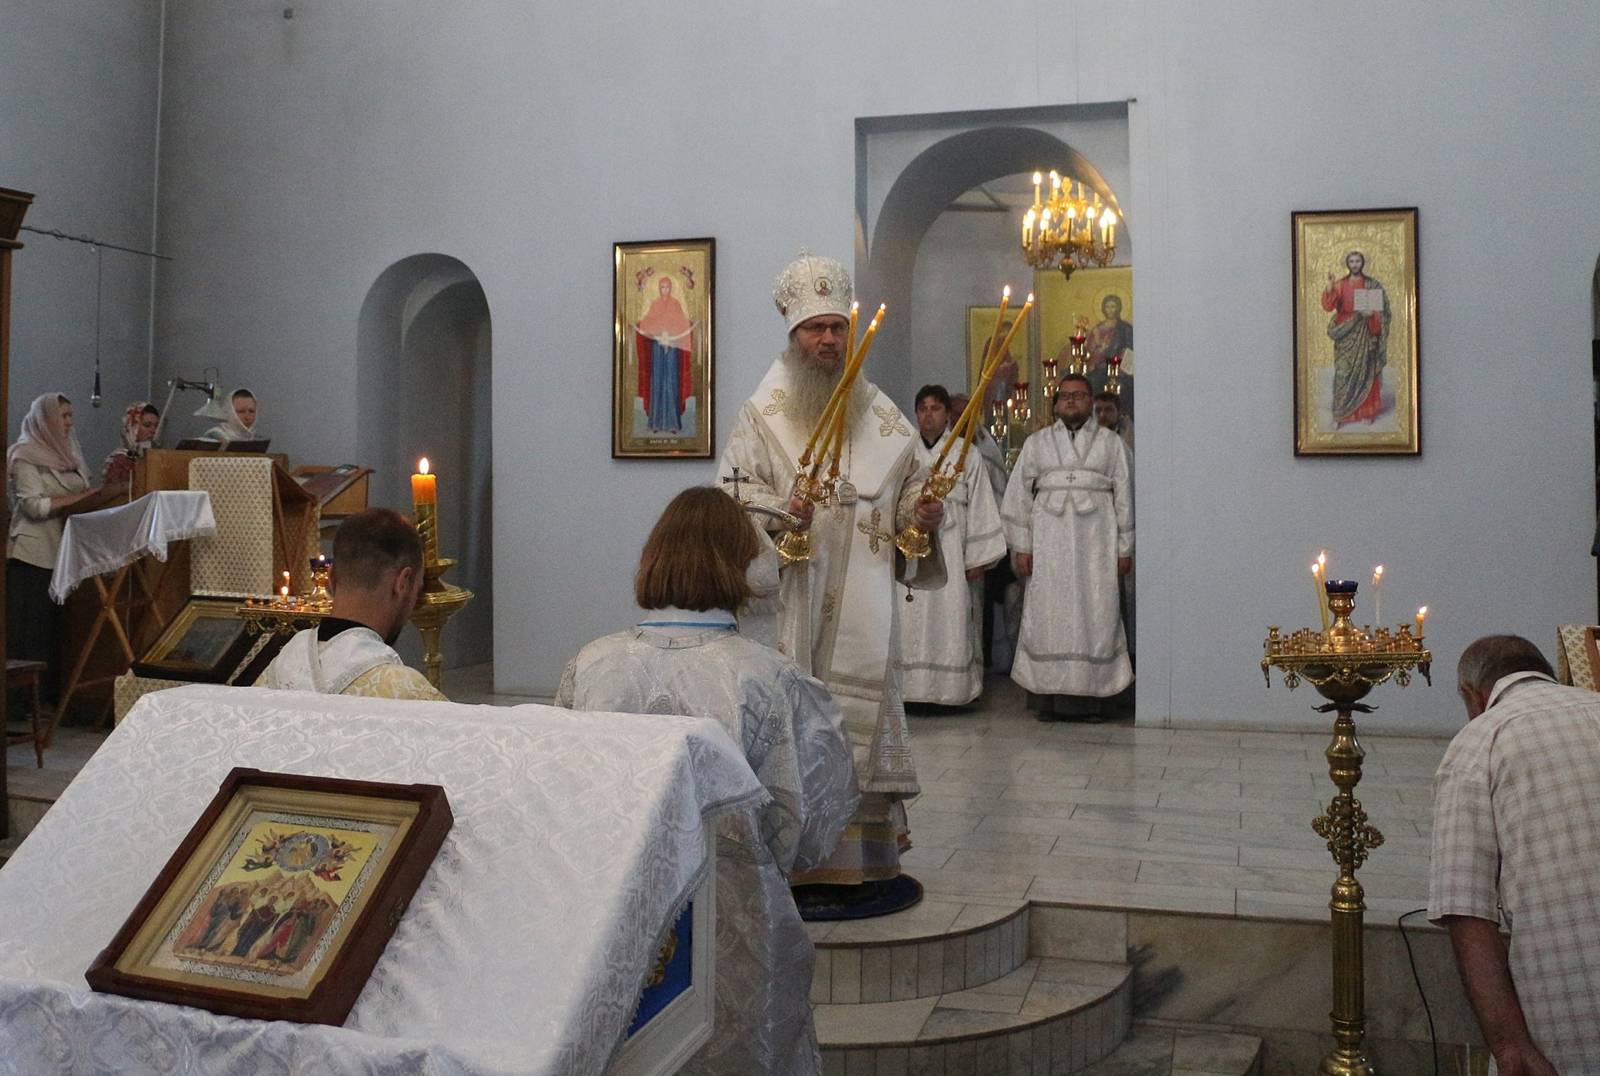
pixel 686 656
pixel 45 476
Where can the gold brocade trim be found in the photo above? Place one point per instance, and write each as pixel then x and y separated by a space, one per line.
pixel 875 535
pixel 780 401
pixel 891 422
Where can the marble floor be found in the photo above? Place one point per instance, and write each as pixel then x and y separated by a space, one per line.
pixel 1114 815
pixel 1123 816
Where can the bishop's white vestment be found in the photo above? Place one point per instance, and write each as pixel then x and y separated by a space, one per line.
pixel 1069 502
pixel 696 664
pixel 941 632
pixel 840 610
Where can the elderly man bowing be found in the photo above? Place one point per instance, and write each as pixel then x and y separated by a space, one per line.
pixel 840 620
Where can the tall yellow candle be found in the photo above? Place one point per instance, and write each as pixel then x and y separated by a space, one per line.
pixel 1422 614
pixel 1316 584
pixel 833 416
pixel 424 486
pixel 1016 326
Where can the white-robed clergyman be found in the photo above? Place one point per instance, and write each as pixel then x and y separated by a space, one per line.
pixel 680 660
pixel 1068 516
pixel 375 578
pixel 941 632
pixel 839 620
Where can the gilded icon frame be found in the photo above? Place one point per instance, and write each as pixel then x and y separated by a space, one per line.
pixel 185 651
pixel 671 284
pixel 1357 356
pixel 174 946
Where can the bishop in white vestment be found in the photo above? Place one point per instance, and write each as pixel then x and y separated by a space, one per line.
pixel 941 632
pixel 839 620
pixel 1068 515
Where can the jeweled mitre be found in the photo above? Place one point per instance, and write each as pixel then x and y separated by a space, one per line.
pixel 810 286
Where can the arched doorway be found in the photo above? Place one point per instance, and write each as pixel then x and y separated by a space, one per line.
pixel 422 380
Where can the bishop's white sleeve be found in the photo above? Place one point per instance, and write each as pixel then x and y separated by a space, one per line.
pixel 827 774
pixel 763 480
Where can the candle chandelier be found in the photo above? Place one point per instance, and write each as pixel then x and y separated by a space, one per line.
pixel 1068 231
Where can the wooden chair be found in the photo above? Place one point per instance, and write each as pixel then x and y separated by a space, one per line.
pixel 20 673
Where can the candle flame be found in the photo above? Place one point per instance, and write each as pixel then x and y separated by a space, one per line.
pixel 1377 573
pixel 1315 568
pixel 1030 299
pixel 1322 558
pixel 422 465
pixel 1422 612
pixel 1006 291
pixel 1038 178
pixel 853 308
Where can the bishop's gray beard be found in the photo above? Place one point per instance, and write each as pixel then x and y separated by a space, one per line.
pixel 811 386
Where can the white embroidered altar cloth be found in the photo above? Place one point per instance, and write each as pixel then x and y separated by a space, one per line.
pixel 98 542
pixel 576 839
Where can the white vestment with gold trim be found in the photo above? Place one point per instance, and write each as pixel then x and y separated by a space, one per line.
pixel 840 620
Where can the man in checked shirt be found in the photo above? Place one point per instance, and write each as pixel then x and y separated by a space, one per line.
pixel 1516 844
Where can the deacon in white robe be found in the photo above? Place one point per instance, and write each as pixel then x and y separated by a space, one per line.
pixel 941 632
pixel 840 620
pixel 682 661
pixel 375 578
pixel 1068 515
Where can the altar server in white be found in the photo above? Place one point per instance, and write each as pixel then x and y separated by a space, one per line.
pixel 839 608
pixel 941 633
pixel 375 579
pixel 687 657
pixel 1068 515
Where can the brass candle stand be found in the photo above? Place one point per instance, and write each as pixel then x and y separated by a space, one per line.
pixel 913 542
pixel 438 602
pixel 1344 664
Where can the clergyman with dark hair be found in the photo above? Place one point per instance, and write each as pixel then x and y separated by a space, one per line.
pixel 375 580
pixel 1516 846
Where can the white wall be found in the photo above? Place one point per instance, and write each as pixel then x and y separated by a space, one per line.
pixel 78 79
pixel 303 157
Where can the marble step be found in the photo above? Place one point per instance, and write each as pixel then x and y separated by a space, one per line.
pixel 1166 1051
pixel 936 947
pixel 1048 1016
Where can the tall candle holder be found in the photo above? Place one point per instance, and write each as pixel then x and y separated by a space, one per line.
pixel 438 602
pixel 1344 664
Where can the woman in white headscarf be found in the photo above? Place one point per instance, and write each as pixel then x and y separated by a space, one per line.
pixel 45 475
pixel 242 426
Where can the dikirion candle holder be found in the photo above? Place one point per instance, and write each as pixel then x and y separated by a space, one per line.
pixel 1344 663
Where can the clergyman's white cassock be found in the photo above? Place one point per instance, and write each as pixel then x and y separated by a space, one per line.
pixel 941 633
pixel 1070 503
pixel 840 618
pixel 682 662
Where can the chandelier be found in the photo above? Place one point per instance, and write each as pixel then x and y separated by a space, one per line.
pixel 1069 231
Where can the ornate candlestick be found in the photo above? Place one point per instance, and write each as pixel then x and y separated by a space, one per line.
pixel 438 602
pixel 913 542
pixel 1344 664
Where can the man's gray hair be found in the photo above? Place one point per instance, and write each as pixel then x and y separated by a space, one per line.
pixel 1493 656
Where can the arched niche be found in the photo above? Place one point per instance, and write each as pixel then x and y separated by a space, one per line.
pixel 423 386
pixel 933 179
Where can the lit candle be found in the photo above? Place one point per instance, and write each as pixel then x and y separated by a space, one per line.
pixel 1322 591
pixel 286 581
pixel 1316 584
pixel 1027 228
pixel 1377 595
pixel 1037 179
pixel 1422 614
pixel 983 386
pixel 424 488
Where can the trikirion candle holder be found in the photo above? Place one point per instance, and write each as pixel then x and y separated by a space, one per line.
pixel 1344 663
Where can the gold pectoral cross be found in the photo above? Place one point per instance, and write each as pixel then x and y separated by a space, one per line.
pixel 875 536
